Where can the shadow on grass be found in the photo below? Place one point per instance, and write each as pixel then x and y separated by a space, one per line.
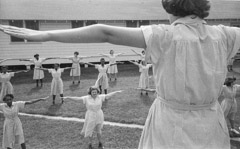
pixel 112 84
pixel 146 99
pixel 53 109
pixel 34 90
pixel 74 87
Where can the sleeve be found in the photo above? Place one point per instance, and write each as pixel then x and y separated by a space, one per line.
pixel 50 70
pixel 237 86
pixel 20 104
pixel 12 74
pixel 232 40
pixel 84 99
pixel 31 60
pixel 1 106
pixel 96 66
pixel 102 97
pixel 61 70
pixel 154 36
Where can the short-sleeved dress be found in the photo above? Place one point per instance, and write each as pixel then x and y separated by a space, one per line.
pixel 7 87
pixel 229 103
pixel 94 115
pixel 189 61
pixel 75 64
pixel 102 76
pixel 112 60
pixel 12 127
pixel 144 77
pixel 37 73
pixel 57 84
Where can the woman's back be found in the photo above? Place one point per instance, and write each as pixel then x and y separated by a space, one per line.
pixel 189 58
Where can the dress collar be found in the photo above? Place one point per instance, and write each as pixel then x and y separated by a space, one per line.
pixel 191 19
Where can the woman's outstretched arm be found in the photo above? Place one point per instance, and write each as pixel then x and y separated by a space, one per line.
pixel 97 33
pixel 35 100
pixel 109 95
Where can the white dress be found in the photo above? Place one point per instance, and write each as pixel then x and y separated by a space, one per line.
pixel 94 115
pixel 102 76
pixel 7 87
pixel 37 73
pixel 112 60
pixel 57 84
pixel 229 103
pixel 12 127
pixel 189 61
pixel 75 64
pixel 144 77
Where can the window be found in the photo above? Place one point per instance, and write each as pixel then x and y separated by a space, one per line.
pixel 17 23
pixel 32 25
pixel 236 25
pixel 76 24
pixel 131 23
pixel 90 22
pixel 144 22
pixel 27 24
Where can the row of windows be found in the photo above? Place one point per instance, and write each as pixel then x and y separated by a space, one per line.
pixel 75 24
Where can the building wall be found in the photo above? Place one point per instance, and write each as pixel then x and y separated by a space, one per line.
pixel 10 49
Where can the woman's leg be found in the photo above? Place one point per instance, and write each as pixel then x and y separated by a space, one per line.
pixel 72 79
pixel 99 127
pixel 90 142
pixel 115 76
pixel 23 145
pixel 41 81
pixel 100 88
pixel 61 95
pixel 37 82
pixel 54 97
pixel 105 91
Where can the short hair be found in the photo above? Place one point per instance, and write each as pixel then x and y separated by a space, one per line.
pixel 4 66
pixel 102 59
pixel 56 64
pixel 8 95
pixel 111 51
pixel 93 88
pixel 76 53
pixel 229 81
pixel 36 55
pixel 184 8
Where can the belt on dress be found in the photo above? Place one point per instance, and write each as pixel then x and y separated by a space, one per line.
pixel 185 107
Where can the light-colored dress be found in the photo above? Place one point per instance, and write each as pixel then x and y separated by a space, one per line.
pixel 189 61
pixel 144 77
pixel 229 103
pixel 94 115
pixel 57 84
pixel 7 87
pixel 112 60
pixel 75 64
pixel 12 127
pixel 37 73
pixel 102 76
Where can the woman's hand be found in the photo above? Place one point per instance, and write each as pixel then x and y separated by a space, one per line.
pixel 24 33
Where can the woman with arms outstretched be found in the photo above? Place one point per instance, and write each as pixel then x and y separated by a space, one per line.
pixel 38 74
pixel 112 70
pixel 57 83
pixel 5 78
pixel 189 59
pixel 94 116
pixel 12 127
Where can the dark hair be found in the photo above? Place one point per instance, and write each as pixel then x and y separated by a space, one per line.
pixel 4 66
pixel 102 59
pixel 229 81
pixel 184 8
pixel 56 64
pixel 93 88
pixel 76 53
pixel 8 95
pixel 36 55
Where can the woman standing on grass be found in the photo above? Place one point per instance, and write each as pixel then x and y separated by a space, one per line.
pixel 102 80
pixel 189 59
pixel 112 70
pixel 57 83
pixel 76 61
pixel 5 78
pixel 94 117
pixel 229 104
pixel 38 74
pixel 144 77
pixel 12 127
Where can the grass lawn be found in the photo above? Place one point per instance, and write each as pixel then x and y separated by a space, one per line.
pixel 41 133
pixel 126 107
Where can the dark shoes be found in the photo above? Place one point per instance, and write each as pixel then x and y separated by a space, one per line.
pixel 90 146
pixel 100 146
